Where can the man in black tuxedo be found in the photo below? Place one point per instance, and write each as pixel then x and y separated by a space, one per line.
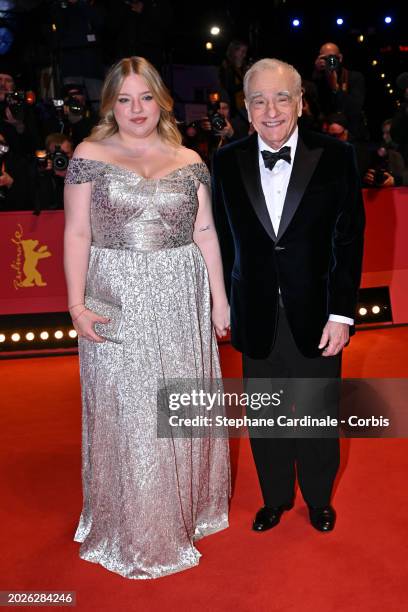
pixel 290 217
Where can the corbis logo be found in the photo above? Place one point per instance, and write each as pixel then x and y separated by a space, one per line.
pixel 26 261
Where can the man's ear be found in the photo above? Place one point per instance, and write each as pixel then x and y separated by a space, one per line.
pixel 300 106
pixel 248 111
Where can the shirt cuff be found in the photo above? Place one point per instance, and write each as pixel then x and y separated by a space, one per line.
pixel 341 319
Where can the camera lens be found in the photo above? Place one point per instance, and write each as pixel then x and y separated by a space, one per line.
pixel 217 122
pixel 332 62
pixel 60 161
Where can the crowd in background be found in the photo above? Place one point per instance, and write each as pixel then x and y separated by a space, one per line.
pixel 39 130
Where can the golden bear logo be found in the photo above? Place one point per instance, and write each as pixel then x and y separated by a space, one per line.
pixel 32 255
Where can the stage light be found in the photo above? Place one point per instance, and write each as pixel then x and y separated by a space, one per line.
pixel 360 38
pixel 382 75
pixel 296 23
pixel 30 336
pixel 44 335
pixel 388 19
pixel 339 21
pixel 72 333
pixel 374 63
pixel 215 30
pixel 391 91
pixel 2 338
pixel 388 85
pixel 208 46
pixel 58 334
pixel 15 337
pixel 374 306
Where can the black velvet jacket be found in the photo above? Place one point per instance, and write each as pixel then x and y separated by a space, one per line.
pixel 316 257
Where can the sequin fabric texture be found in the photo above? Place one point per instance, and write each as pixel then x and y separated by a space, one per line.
pixel 146 500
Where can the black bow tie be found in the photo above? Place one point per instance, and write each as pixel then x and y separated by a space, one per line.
pixel 270 158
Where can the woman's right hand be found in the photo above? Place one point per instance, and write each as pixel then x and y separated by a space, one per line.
pixel 84 320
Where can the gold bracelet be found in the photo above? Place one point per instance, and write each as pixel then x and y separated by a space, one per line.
pixel 77 317
pixel 73 306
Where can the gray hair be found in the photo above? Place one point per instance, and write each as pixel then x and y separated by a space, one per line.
pixel 273 64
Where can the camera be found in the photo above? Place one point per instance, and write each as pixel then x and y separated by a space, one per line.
pixel 379 163
pixel 379 177
pixel 15 100
pixel 217 121
pixel 332 62
pixel 74 107
pixel 60 160
pixel 58 105
pixel 4 149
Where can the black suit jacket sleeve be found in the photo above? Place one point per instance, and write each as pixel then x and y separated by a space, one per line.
pixel 347 243
pixel 223 226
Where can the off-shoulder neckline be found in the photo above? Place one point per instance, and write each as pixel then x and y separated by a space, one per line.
pixel 145 178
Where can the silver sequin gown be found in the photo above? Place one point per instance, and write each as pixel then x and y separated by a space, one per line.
pixel 146 500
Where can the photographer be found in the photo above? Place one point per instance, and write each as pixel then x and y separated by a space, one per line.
pixel 18 121
pixel 387 168
pixel 217 128
pixel 49 173
pixel 399 126
pixel 340 89
pixel 14 190
pixel 71 115
pixel 377 166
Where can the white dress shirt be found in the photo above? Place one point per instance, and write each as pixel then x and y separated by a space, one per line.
pixel 275 185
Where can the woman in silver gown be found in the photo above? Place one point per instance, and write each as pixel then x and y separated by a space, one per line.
pixel 140 240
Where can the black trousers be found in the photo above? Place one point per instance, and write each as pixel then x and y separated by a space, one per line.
pixel 316 460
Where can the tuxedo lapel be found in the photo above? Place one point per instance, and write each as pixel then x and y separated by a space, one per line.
pixel 248 157
pixel 304 165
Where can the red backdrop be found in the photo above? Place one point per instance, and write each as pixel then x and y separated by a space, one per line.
pixel 32 278
pixel 31 270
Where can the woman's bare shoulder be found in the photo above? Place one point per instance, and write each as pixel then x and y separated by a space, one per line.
pixel 189 156
pixel 89 149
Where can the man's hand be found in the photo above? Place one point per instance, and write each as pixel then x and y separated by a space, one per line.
pixel 9 118
pixel 369 179
pixel 227 131
pixel 6 180
pixel 332 80
pixel 334 337
pixel 320 63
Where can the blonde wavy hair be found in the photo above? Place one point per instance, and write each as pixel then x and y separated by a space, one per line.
pixel 107 126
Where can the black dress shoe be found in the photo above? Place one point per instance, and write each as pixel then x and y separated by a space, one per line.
pixel 323 518
pixel 269 516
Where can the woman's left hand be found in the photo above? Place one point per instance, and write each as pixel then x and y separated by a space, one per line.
pixel 221 319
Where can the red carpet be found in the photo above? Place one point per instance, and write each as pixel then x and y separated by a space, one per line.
pixel 361 566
